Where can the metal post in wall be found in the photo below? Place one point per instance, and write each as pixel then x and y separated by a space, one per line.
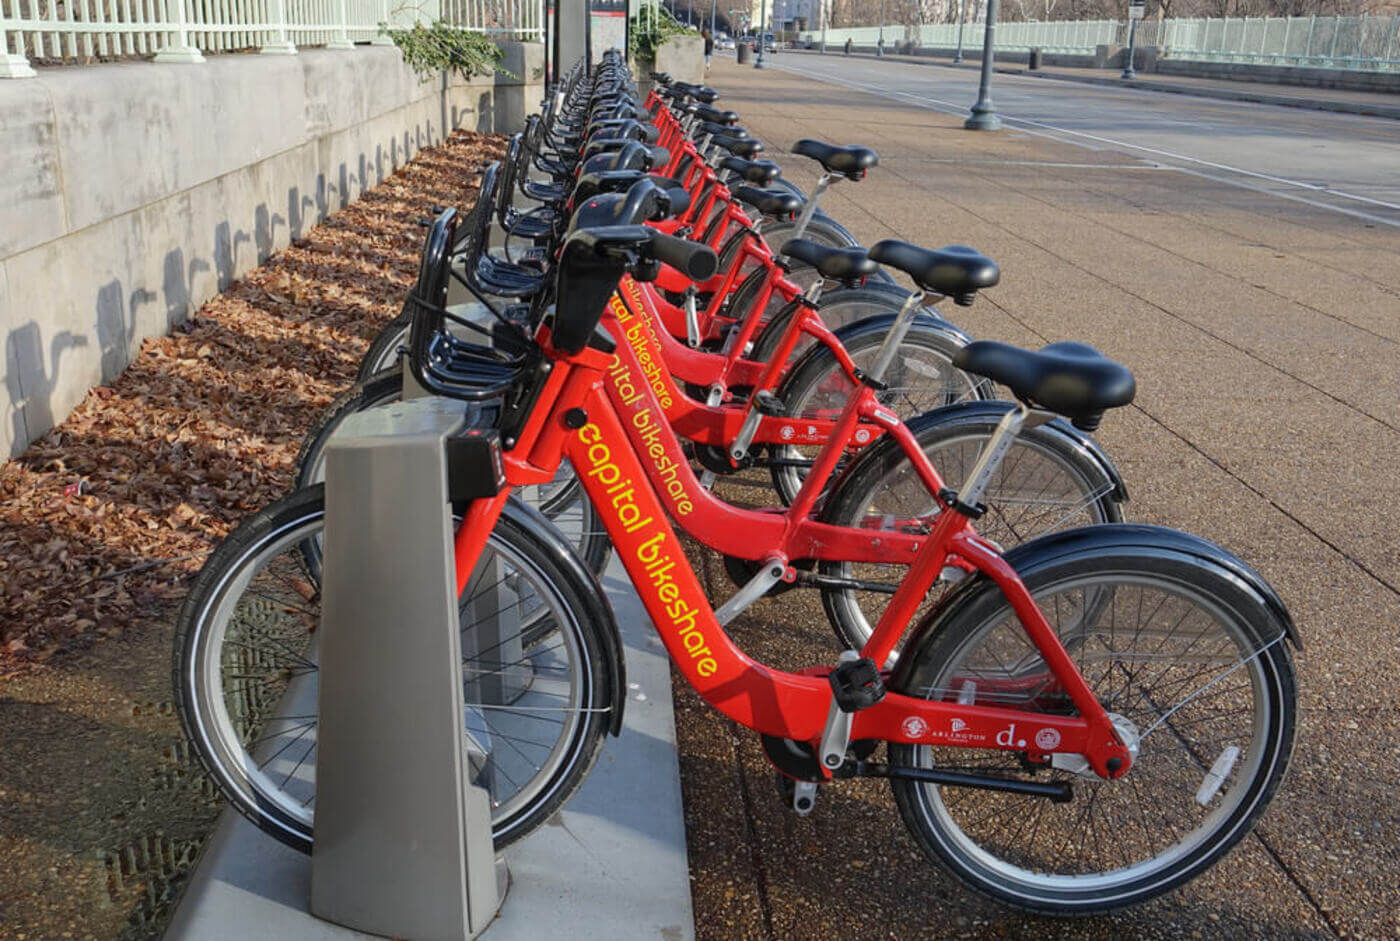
pixel 13 64
pixel 984 113
pixel 343 40
pixel 281 46
pixel 180 51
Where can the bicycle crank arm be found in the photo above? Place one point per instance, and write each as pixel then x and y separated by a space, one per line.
pixel 1061 793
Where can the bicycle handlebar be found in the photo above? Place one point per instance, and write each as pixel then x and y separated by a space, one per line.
pixel 695 260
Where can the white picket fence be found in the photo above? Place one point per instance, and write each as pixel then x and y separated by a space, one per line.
pixel 180 30
pixel 1334 42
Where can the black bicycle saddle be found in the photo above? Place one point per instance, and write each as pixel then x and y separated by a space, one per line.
pixel 956 271
pixel 839 264
pixel 851 162
pixel 1070 379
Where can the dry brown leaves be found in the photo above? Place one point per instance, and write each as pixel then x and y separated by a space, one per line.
pixel 103 519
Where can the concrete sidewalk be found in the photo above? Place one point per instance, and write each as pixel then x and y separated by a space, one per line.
pixel 1376 104
pixel 1265 336
pixel 611 864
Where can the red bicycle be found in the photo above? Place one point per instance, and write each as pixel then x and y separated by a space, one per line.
pixel 1085 722
pixel 874 513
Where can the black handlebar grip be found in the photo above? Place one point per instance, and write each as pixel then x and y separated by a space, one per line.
pixel 696 260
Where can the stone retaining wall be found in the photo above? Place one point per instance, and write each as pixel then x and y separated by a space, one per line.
pixel 134 192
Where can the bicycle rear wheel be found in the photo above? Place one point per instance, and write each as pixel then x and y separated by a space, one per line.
pixel 1194 670
pixel 246 664
pixel 1049 480
pixel 920 378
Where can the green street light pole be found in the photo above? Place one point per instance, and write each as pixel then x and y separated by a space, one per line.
pixel 762 28
pixel 1132 40
pixel 962 19
pixel 984 114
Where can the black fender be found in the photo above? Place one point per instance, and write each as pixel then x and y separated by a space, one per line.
pixel 596 607
pixel 883 322
pixel 1089 457
pixel 875 323
pixel 773 330
pixel 1028 557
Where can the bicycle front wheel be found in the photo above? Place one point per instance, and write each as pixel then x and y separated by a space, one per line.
pixel 383 352
pixel 562 500
pixel 1194 670
pixel 246 670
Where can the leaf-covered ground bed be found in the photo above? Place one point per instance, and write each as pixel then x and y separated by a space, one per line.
pixel 104 518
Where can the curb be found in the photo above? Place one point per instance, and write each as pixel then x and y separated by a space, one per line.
pixel 1229 94
pixel 1222 94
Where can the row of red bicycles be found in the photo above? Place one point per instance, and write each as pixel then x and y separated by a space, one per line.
pixel 1074 713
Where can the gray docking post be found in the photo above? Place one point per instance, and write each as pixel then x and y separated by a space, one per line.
pixel 403 833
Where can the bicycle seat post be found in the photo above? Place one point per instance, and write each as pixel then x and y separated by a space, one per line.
pixel 810 209
pixel 995 450
pixel 898 330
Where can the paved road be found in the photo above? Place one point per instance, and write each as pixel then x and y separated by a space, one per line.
pixel 1262 321
pixel 1348 162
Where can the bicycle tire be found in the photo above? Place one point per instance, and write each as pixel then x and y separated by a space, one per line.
pixel 1012 869
pixel 558 504
pixel 817 384
pixel 575 599
pixel 383 352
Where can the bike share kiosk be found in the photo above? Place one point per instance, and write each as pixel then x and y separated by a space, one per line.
pixel 403 842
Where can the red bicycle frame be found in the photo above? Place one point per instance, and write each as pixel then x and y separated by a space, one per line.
pixel 575 418
pixel 654 413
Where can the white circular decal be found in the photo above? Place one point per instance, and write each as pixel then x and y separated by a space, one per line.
pixel 1047 738
pixel 914 727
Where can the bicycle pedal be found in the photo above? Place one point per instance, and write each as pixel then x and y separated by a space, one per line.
pixel 769 404
pixel 856 684
pixel 804 797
